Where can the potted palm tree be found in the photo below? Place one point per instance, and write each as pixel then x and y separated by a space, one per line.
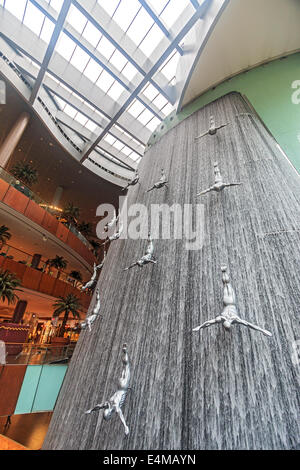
pixel 58 263
pixel 11 332
pixel 25 172
pixel 4 235
pixel 66 305
pixel 76 275
pixel 71 213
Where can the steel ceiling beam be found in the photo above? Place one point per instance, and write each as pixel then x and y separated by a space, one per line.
pixel 50 49
pixel 200 13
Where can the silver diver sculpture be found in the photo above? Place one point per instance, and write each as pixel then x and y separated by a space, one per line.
pixel 160 183
pixel 114 404
pixel 113 221
pixel 213 129
pixel 229 314
pixel 147 258
pixel 219 184
pixel 91 282
pixel 115 236
pixel 95 313
pixel 133 182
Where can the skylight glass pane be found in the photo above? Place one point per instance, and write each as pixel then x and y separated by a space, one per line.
pixel 105 47
pixel 105 81
pixel 167 109
pixel 157 5
pixel 173 11
pixel 160 101
pixel 92 70
pixel 118 145
pixel 136 108
pixel 79 59
pixel 118 60
pixel 56 4
pixel 169 70
pixel 91 126
pixel 109 5
pixel 76 19
pixel 115 91
pixel 16 8
pixel 150 92
pixel 109 139
pixel 134 156
pixel 152 40
pixel 70 111
pixel 91 34
pixel 33 18
pixel 126 150
pixel 140 26
pixel 126 12
pixel 129 71
pixel 65 46
pixel 47 30
pixel 145 116
pixel 152 125
pixel 81 119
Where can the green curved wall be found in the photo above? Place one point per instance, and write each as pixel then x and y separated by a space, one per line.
pixel 269 90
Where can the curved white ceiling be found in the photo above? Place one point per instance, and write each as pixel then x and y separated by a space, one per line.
pixel 247 34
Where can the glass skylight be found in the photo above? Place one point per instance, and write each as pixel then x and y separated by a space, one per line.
pixel 47 30
pixel 109 5
pixel 126 12
pixel 65 46
pixel 105 81
pixel 76 19
pixel 16 8
pixel 33 18
pixel 79 59
pixel 91 34
pixel 92 70
pixel 140 26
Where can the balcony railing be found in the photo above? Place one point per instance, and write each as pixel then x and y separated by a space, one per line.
pixel 13 182
pixel 38 354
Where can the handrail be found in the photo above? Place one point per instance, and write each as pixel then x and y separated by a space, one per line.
pixel 38 354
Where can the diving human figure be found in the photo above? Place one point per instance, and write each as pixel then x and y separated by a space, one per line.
pixel 133 182
pixel 115 236
pixel 229 314
pixel 147 258
pixel 114 404
pixel 160 183
pixel 95 313
pixel 219 184
pixel 91 282
pixel 213 129
pixel 113 221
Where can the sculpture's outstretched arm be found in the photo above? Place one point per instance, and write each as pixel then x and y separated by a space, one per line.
pixel 223 125
pixel 226 185
pixel 131 266
pixel 98 407
pixel 254 327
pixel 119 411
pixel 205 191
pixel 150 189
pixel 206 324
pixel 202 135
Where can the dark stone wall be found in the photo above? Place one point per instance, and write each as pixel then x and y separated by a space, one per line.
pixel 211 389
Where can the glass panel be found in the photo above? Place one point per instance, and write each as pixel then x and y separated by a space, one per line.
pixel 16 8
pixel 126 150
pixel 79 59
pixel 47 30
pixel 105 47
pixel 105 81
pixel 118 60
pixel 157 5
pixel 150 92
pixel 173 11
pixel 33 19
pixel 76 19
pixel 109 139
pixel 167 109
pixel 70 111
pixel 65 46
pixel 152 40
pixel 129 71
pixel 81 119
pixel 109 5
pixel 136 108
pixel 145 116
pixel 91 34
pixel 92 70
pixel 126 12
pixel 56 4
pixel 160 101
pixel 115 91
pixel 118 145
pixel 140 26
pixel 91 126
pixel 152 125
